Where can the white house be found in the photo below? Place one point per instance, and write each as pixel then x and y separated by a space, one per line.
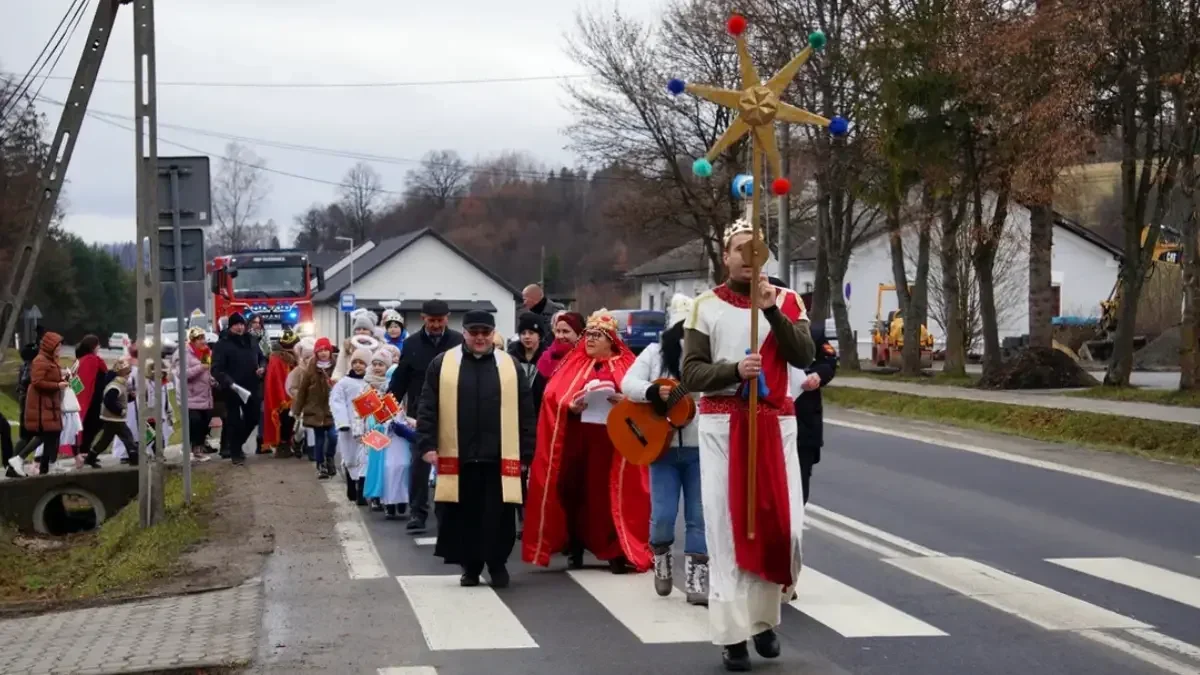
pixel 409 270
pixel 1084 270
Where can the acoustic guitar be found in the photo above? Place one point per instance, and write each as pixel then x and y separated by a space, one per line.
pixel 640 433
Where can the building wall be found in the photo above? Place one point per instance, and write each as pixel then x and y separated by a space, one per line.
pixel 425 270
pixel 657 293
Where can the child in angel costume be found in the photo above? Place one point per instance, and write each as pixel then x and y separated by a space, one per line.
pixel 137 398
pixel 349 425
pixel 386 479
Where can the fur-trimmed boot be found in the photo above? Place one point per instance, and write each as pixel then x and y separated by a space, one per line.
pixel 663 562
pixel 697 579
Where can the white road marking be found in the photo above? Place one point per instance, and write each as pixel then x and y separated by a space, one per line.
pixel 1164 583
pixel 358 549
pixel 653 620
pixel 1138 652
pixel 852 613
pixel 1011 594
pixel 882 550
pixel 425 541
pixel 1168 643
pixel 454 618
pixel 898 542
pixel 408 670
pixel 1028 461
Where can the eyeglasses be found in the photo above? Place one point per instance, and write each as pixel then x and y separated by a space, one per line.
pixel 595 335
pixel 479 332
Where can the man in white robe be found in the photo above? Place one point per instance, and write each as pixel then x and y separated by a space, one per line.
pixel 751 573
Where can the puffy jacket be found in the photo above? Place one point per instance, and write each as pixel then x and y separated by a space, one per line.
pixel 43 400
pixel 311 398
pixel 637 384
pixel 200 381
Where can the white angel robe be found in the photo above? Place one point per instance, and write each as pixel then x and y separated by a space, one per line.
pixel 740 604
pixel 164 421
pixel 352 454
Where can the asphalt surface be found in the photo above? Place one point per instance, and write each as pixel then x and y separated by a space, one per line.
pixel 954 578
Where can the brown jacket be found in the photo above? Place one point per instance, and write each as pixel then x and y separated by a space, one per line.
pixel 312 397
pixel 43 400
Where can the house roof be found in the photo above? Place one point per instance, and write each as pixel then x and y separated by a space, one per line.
pixel 325 259
pixel 1088 235
pixel 390 248
pixel 689 258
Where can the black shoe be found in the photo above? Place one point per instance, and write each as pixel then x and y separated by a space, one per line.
pixel 766 644
pixel 499 577
pixel 92 461
pixel 575 559
pixel 415 527
pixel 736 657
pixel 619 565
pixel 390 510
pixel 469 578
pixel 239 461
pixel 376 506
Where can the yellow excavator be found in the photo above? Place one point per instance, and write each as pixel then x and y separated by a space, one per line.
pixel 887 336
pixel 1164 251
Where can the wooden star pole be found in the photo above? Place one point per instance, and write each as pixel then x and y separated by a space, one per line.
pixel 759 106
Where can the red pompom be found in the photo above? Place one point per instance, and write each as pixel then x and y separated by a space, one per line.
pixel 736 24
pixel 781 186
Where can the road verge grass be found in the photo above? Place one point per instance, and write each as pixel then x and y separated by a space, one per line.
pixel 1174 397
pixel 1149 438
pixel 120 557
pixel 926 377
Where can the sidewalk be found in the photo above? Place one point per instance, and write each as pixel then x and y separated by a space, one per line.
pixel 1031 398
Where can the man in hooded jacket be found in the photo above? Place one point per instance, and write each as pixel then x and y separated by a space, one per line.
pixel 238 363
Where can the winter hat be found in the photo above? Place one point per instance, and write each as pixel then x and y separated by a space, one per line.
pixel 323 345
pixel 361 354
pixel 304 348
pixel 381 355
pixel 572 319
pixel 236 318
pixel 529 321
pixel 364 321
pixel 288 339
pixel 122 366
pixel 196 332
pixel 681 307
pixel 392 316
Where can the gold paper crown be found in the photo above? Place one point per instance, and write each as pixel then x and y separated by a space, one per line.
pixel 739 226
pixel 603 320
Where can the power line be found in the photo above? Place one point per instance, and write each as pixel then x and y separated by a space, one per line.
pixel 64 41
pixel 336 85
pixel 34 69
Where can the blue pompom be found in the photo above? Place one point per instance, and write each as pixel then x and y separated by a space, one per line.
pixel 702 168
pixel 676 86
pixel 838 126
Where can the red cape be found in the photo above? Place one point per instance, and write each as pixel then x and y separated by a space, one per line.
pixel 90 369
pixel 275 396
pixel 560 437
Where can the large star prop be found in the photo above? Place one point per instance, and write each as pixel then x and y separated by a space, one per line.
pixel 758 105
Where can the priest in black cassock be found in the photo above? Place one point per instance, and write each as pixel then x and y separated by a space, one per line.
pixel 476 421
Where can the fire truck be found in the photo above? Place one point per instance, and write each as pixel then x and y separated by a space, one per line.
pixel 276 285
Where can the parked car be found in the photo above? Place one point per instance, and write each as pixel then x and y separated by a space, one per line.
pixel 118 340
pixel 640 327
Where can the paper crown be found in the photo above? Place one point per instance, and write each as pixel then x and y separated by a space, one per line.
pixel 739 226
pixel 603 320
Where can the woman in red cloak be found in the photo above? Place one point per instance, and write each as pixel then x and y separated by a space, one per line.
pixel 277 423
pixel 582 493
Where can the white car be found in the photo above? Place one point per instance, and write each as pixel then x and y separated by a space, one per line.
pixel 118 340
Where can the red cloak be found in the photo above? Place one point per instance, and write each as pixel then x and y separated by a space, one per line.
pixel 579 486
pixel 275 395
pixel 90 369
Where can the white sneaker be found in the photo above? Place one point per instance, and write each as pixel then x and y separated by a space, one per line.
pixel 18 466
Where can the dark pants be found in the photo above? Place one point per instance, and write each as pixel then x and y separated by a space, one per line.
pixel 198 421
pixel 92 426
pixel 6 442
pixel 108 430
pixel 480 528
pixel 324 445
pixel 287 427
pixel 418 487
pixel 805 474
pixel 240 420
pixel 49 450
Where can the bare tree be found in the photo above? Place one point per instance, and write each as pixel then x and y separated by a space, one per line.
pixel 442 178
pixel 239 191
pixel 362 195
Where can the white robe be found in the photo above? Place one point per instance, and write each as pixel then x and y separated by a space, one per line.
pixel 740 604
pixel 352 454
pixel 167 426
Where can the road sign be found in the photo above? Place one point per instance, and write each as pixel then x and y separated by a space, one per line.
pixel 347 302
pixel 195 192
pixel 193 254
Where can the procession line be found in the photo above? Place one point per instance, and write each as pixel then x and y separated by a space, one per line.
pixel 1028 461
pixel 358 549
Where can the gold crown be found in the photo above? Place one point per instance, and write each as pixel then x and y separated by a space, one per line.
pixel 603 320
pixel 739 226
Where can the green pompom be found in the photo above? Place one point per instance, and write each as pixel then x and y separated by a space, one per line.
pixel 702 168
pixel 817 40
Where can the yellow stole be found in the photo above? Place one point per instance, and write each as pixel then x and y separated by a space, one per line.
pixel 510 437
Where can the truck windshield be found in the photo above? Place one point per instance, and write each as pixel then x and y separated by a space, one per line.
pixel 170 327
pixel 269 282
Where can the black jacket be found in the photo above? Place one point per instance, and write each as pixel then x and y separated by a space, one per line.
pixel 809 425
pixel 547 308
pixel 528 369
pixel 478 411
pixel 236 360
pixel 416 355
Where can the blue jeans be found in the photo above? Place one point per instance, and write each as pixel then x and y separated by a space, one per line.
pixel 678 469
pixel 325 444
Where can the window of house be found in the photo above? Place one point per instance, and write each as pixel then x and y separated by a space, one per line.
pixel 1056 290
pixel 651 307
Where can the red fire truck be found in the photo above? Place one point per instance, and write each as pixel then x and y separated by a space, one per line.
pixel 276 285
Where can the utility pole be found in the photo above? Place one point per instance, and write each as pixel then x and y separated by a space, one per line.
pixel 785 210
pixel 181 389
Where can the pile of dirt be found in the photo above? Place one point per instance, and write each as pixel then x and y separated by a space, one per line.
pixel 1160 354
pixel 1038 369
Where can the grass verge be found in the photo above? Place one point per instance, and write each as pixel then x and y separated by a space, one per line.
pixel 1148 438
pixel 120 556
pixel 1175 397
pixel 927 377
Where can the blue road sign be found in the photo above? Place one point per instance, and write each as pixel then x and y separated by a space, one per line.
pixel 347 302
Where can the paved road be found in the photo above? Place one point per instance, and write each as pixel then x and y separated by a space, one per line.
pixel 920 558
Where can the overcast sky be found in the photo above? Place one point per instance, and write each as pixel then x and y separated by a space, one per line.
pixel 290 41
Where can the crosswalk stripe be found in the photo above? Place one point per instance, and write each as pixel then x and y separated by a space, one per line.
pixel 425 541
pixel 852 613
pixel 408 670
pixel 457 618
pixel 358 548
pixel 632 601
pixel 1024 599
pixel 1154 580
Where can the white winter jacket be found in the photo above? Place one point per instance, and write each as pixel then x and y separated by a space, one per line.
pixel 647 368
